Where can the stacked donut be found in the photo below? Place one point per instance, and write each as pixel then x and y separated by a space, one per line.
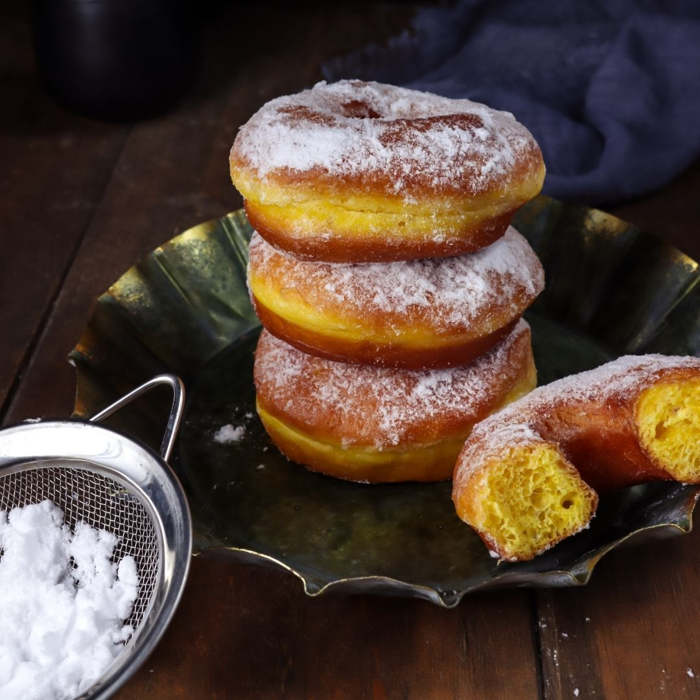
pixel 386 274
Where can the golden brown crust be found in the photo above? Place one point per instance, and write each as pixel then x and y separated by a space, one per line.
pixel 412 314
pixel 602 441
pixel 382 424
pixel 590 416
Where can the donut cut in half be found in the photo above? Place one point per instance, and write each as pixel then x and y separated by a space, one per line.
pixel 527 476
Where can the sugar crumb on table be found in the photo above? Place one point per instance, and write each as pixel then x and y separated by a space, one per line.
pixel 229 433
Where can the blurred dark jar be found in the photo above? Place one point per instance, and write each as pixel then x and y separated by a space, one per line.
pixel 115 59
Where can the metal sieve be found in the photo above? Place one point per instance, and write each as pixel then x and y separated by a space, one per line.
pixel 109 481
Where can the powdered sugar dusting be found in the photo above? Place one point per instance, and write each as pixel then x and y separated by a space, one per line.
pixel 612 382
pixel 411 139
pixel 384 407
pixel 448 293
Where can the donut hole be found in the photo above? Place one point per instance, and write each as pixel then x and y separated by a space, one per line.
pixel 668 419
pixel 359 109
pixel 533 498
pixel 300 113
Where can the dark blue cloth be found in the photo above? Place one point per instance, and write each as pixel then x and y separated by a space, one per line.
pixel 610 89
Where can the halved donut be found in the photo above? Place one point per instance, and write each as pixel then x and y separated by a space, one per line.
pixel 526 477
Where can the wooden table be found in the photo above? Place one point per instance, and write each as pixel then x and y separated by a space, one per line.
pixel 82 200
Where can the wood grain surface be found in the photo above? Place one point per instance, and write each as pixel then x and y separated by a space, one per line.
pixel 82 200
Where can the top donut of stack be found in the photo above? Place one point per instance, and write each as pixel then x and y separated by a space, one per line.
pixel 394 174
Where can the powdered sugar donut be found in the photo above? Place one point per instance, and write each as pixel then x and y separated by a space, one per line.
pixel 527 476
pixel 378 424
pixel 412 314
pixel 356 171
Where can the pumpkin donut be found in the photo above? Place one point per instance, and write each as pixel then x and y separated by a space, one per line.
pixel 413 314
pixel 356 172
pixel 527 476
pixel 378 424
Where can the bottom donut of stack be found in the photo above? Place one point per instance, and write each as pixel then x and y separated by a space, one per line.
pixel 376 424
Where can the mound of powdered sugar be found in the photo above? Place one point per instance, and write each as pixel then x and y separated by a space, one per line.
pixel 63 602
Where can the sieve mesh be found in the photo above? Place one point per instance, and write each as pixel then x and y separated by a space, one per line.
pixel 100 501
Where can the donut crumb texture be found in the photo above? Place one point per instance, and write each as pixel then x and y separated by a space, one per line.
pixel 668 418
pixel 532 497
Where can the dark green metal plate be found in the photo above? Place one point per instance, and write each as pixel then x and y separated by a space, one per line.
pixel 611 289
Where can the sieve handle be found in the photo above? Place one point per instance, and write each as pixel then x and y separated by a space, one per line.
pixel 176 410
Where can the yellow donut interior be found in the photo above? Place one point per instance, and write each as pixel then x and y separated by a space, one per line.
pixel 668 421
pixel 530 498
pixel 300 212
